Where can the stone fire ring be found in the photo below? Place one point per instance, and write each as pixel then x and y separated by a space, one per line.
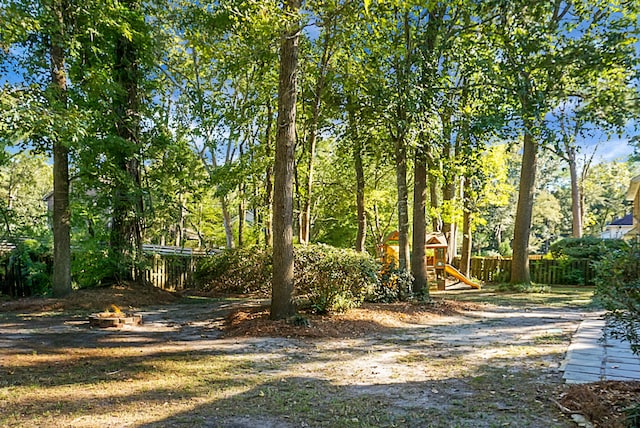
pixel 111 320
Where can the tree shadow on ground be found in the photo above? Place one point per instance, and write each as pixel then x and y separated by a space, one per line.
pixel 182 377
pixel 482 400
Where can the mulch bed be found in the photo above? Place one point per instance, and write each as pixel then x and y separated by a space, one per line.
pixel 125 296
pixel 609 404
pixel 367 319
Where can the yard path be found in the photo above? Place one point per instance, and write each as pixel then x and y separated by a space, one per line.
pixel 498 366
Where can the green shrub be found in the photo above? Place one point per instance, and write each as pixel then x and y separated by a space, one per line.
pixel 238 270
pixel 334 279
pixel 30 261
pixel 394 285
pixel 328 278
pixel 574 256
pixel 586 248
pixel 618 288
pixel 90 265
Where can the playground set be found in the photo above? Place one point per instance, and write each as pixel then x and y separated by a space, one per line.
pixel 436 259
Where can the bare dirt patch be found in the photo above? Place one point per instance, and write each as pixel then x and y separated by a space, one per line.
pixel 221 362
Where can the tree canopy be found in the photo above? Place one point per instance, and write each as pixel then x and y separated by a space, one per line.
pixel 178 125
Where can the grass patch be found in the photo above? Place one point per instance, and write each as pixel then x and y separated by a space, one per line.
pixel 552 338
pixel 569 297
pixel 523 288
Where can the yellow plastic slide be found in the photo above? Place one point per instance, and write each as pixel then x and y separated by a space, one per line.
pixel 459 276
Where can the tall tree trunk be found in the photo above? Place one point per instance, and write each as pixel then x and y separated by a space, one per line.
pixel 449 227
pixel 305 221
pixel 305 211
pixel 360 202
pixel 126 231
pixel 282 305
pixel 61 211
pixel 403 203
pixel 576 200
pixel 226 222
pixel 241 207
pixel 434 203
pixel 268 188
pixel 467 238
pixel 242 212
pixel 180 232
pixel 398 136
pixel 520 260
pixel 418 262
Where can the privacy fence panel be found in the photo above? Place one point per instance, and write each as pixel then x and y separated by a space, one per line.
pixel 543 271
pixel 170 272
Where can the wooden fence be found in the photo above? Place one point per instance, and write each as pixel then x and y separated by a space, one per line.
pixel 170 272
pixel 172 268
pixel 543 271
pixel 12 281
pixel 18 279
pixel 169 268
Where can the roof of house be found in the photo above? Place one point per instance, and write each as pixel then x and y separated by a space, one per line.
pixel 624 221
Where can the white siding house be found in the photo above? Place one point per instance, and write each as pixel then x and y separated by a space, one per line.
pixel 618 228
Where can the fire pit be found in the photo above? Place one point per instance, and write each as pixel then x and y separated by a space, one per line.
pixel 115 318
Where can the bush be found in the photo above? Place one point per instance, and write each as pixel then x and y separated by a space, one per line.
pixel 29 262
pixel 334 279
pixel 586 248
pixel 618 288
pixel 240 270
pixel 394 285
pixel 330 279
pixel 91 264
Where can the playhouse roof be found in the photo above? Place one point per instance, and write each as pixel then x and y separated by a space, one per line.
pixel 432 240
pixel 435 240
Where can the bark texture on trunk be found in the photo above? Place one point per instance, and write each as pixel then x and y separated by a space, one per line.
pixel 434 203
pixel 450 228
pixel 268 188
pixel 520 261
pixel 282 305
pixel 467 238
pixel 418 262
pixel 61 212
pixel 360 201
pixel 576 200
pixel 403 203
pixel 126 230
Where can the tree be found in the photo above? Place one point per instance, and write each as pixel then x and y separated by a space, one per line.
pixel 430 52
pixel 45 27
pixel 598 100
pixel 282 305
pixel 61 281
pixel 327 46
pixel 25 179
pixel 541 48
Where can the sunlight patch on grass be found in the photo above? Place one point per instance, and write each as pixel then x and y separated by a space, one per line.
pixel 151 389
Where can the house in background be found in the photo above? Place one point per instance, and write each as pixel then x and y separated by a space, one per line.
pixel 618 228
pixel 633 194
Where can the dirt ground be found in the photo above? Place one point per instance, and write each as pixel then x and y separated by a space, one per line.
pixel 470 359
